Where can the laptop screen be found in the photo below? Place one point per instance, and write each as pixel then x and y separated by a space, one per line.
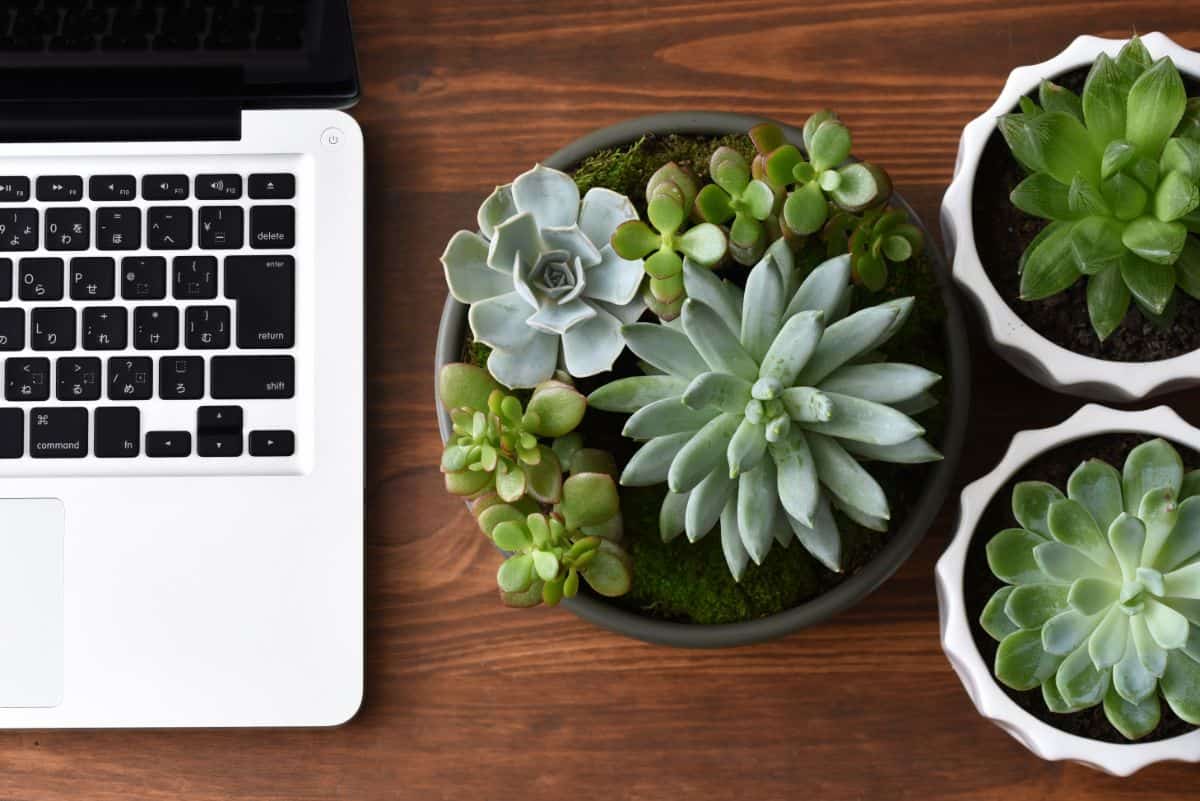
pixel 257 53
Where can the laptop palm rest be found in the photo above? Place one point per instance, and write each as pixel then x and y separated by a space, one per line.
pixel 31 602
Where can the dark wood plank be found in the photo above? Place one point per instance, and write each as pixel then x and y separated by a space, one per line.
pixel 465 699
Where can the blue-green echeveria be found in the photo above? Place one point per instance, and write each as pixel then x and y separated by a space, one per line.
pixel 759 409
pixel 544 284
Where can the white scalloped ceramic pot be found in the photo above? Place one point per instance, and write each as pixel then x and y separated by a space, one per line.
pixel 1034 355
pixel 958 641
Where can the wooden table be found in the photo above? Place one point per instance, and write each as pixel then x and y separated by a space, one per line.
pixel 468 700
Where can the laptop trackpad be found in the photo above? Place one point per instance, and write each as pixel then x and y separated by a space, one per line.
pixel 31 602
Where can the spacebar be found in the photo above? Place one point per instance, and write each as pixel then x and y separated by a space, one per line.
pixel 253 377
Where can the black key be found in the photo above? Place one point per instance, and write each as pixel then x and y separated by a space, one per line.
pixel 221 227
pixel 118 432
pixel 206 327
pixel 264 288
pixel 218 187
pixel 12 329
pixel 169 228
pixel 112 187
pixel 6 279
pixel 118 228
pixel 180 377
pixel 218 444
pixel 168 443
pixel 195 277
pixel 14 189
pixel 59 188
pixel 26 379
pixel 40 279
pixel 93 278
pixel 253 377
pixel 12 433
pixel 165 187
pixel 52 329
pixel 130 378
pixel 18 229
pixel 58 433
pixel 105 327
pixel 272 186
pixel 143 278
pixel 156 328
pixel 272 227
pixel 219 418
pixel 77 378
pixel 272 443
pixel 68 229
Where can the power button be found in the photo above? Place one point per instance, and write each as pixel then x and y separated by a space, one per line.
pixel 332 138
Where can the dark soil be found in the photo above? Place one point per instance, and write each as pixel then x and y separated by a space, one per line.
pixel 1002 232
pixel 979 584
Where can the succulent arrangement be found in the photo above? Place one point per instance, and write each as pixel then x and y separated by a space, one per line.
pixel 1101 603
pixel 1116 172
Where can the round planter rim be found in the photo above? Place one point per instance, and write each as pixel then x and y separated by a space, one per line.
pixel 1048 742
pixel 901 543
pixel 1041 359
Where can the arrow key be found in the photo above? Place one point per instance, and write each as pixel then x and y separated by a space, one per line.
pixel 272 443
pixel 168 444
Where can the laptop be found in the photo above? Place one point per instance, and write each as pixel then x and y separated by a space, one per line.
pixel 181 364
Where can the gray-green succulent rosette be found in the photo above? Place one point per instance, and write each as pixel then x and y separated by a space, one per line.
pixel 1101 603
pixel 543 282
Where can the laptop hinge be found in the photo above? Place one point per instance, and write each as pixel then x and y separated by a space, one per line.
pixel 120 121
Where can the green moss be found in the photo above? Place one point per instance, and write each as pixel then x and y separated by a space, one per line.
pixel 475 353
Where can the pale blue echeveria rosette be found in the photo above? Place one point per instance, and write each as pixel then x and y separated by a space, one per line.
pixel 544 285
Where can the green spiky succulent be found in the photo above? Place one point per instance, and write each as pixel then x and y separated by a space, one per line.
pixel 736 196
pixel 670 196
pixel 759 409
pixel 1102 597
pixel 1116 171
pixel 874 240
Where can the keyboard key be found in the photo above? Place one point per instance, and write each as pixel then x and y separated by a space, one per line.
pixel 26 379
pixel 58 433
pixel 6 279
pixel 272 443
pixel 180 377
pixel 195 277
pixel 219 431
pixel 105 328
pixel 130 378
pixel 12 433
pixel 93 278
pixel 156 328
pixel 77 378
pixel 118 228
pixel 165 187
pixel 12 329
pixel 112 187
pixel 68 229
pixel 14 189
pixel 218 187
pixel 218 444
pixel 18 229
pixel 206 327
pixel 52 329
pixel 221 227
pixel 40 279
pixel 118 432
pixel 272 186
pixel 161 444
pixel 253 377
pixel 264 288
pixel 169 228
pixel 59 188
pixel 224 418
pixel 272 227
pixel 143 278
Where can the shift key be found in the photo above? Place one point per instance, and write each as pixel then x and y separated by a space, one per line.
pixel 253 377
pixel 265 290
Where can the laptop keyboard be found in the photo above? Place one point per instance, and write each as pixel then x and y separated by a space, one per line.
pixel 148 319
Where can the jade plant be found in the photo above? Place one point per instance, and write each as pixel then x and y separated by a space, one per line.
pixel 736 198
pixel 875 239
pixel 661 246
pixel 1101 603
pixel 757 411
pixel 543 281
pixel 1116 172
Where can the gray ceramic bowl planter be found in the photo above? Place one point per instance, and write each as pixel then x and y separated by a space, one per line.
pixel 451 337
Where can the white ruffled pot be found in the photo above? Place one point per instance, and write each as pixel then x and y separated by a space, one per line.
pixel 1118 759
pixel 1040 359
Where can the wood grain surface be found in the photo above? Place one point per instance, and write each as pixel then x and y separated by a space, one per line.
pixel 467 700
